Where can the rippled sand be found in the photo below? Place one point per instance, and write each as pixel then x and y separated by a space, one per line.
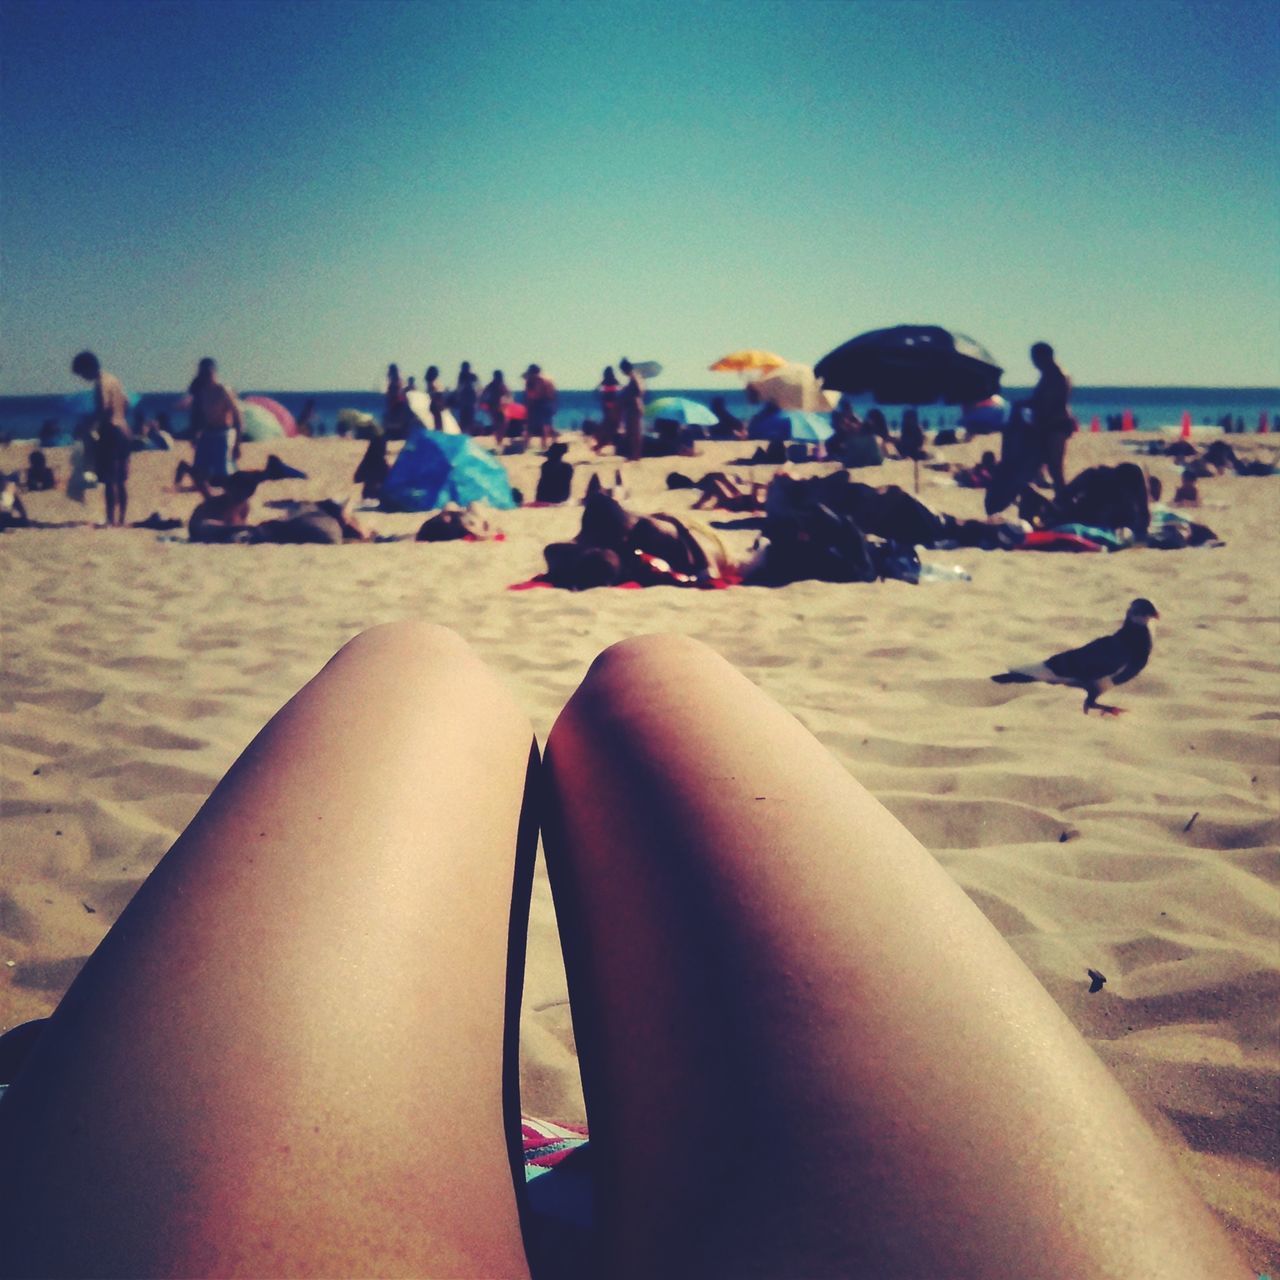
pixel 136 668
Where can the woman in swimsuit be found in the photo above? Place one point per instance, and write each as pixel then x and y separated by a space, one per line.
pixel 609 395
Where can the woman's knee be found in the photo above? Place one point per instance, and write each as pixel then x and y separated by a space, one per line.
pixel 419 664
pixel 642 660
pixel 638 678
pixel 408 639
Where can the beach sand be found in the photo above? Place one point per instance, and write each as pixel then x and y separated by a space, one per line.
pixel 136 667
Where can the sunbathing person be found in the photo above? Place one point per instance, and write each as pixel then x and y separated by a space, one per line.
pixel 224 517
pixel 726 494
pixel 978 476
pixel 648 549
pixel 804 1050
pixel 326 522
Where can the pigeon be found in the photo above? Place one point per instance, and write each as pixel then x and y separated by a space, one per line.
pixel 1099 665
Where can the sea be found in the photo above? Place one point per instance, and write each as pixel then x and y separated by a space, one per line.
pixel 22 417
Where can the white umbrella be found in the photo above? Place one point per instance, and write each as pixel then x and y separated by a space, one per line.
pixel 795 386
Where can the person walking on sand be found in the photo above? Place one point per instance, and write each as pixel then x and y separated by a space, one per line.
pixel 217 424
pixel 540 401
pixel 1051 416
pixel 112 439
pixel 632 397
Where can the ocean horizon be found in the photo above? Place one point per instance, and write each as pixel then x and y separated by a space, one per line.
pixel 22 416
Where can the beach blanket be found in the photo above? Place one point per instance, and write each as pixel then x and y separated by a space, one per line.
pixel 1108 539
pixel 1056 540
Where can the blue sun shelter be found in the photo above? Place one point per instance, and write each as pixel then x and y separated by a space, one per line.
pixel 435 468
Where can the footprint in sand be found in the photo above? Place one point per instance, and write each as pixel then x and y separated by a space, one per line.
pixel 958 823
pixel 53 976
pixel 156 738
pixel 16 922
pixel 147 664
pixel 1001 912
pixel 915 755
pixel 179 707
pixel 141 780
pixel 62 699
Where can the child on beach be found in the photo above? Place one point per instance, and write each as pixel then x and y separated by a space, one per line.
pixel 804 1050
pixel 39 474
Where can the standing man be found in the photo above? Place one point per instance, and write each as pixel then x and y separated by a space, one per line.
pixel 540 401
pixel 112 440
pixel 1051 415
pixel 632 397
pixel 218 427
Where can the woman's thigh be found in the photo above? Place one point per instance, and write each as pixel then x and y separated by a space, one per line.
pixel 292 1052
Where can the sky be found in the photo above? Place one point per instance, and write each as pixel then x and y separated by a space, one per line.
pixel 308 191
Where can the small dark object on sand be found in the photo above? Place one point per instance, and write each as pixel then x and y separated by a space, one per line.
pixel 1097 979
pixel 1191 820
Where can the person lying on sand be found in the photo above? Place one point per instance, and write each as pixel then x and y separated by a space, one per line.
pixel 326 522
pixel 805 1051
pixel 644 549
pixel 724 493
pixel 224 517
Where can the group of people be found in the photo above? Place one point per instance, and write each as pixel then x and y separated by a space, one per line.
pixel 106 438
pixel 458 408
pixel 516 417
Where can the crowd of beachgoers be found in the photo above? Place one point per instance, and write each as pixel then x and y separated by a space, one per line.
pixel 829 527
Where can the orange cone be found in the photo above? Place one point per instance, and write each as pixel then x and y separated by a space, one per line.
pixel 1126 420
pixel 1263 424
pixel 1186 424
pixel 1096 424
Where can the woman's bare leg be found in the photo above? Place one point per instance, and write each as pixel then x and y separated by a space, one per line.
pixel 287 1057
pixel 804 1051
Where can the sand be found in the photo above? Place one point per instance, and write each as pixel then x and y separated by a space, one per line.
pixel 136 667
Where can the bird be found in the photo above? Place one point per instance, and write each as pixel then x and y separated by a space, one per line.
pixel 1099 665
pixel 1096 980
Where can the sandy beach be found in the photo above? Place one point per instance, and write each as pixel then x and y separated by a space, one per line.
pixel 136 667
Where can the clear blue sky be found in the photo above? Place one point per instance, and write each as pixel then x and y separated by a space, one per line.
pixel 309 190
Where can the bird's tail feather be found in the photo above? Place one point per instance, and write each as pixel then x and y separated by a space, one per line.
pixel 1014 677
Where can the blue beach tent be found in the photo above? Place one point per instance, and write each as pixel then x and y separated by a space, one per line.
pixel 434 469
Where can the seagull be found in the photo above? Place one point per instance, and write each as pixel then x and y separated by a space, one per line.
pixel 1099 665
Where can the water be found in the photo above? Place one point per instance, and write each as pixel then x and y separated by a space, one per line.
pixel 21 417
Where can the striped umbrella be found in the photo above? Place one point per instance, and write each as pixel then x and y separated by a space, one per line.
pixel 276 410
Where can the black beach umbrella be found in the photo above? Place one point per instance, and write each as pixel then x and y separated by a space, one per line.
pixel 912 364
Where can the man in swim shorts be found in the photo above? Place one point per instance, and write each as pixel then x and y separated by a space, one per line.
pixel 217 424
pixel 540 401
pixel 112 441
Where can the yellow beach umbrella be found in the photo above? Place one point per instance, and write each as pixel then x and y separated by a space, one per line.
pixel 750 360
